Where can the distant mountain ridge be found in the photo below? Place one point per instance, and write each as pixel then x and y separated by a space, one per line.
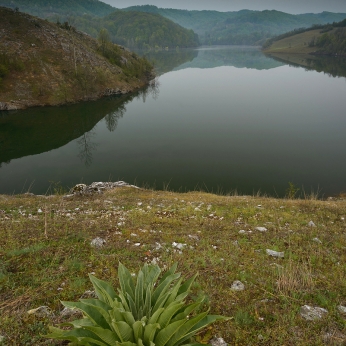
pixel 138 30
pixel 242 27
pixel 48 8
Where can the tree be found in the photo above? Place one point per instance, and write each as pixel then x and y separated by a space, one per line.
pixel 104 39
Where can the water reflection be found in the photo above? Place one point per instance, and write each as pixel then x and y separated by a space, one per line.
pixel 38 130
pixel 210 57
pixel 331 65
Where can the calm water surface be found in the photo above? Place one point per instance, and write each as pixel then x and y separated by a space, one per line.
pixel 221 119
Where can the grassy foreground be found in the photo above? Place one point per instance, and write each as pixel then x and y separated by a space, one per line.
pixel 45 257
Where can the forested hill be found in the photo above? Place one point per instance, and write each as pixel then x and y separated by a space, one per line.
pixel 138 30
pixel 131 29
pixel 242 27
pixel 43 63
pixel 49 8
pixel 329 39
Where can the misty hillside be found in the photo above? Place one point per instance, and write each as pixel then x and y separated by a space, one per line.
pixel 50 8
pixel 242 27
pixel 134 30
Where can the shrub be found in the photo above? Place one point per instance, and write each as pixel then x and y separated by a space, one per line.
pixel 148 313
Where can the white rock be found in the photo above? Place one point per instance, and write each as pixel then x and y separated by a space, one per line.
pixel 218 342
pixel 316 240
pixel 311 313
pixel 98 242
pixel 197 209
pixel 88 294
pixel 194 237
pixel 261 229
pixel 242 231
pixel 179 246
pixel 237 286
pixel 42 311
pixel 67 312
pixel 137 244
pixel 275 253
pixel 311 224
pixel 342 309
pixel 40 211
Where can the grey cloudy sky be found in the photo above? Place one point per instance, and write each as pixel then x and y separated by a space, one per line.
pixel 290 6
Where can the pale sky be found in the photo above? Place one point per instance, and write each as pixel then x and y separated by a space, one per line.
pixel 290 6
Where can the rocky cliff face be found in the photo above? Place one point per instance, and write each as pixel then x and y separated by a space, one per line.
pixel 42 63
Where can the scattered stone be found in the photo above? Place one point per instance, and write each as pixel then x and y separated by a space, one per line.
pixel 342 309
pixel 194 237
pixel 311 313
pixel 237 286
pixel 311 224
pixel 334 338
pixel 42 311
pixel 235 243
pixel 316 240
pixel 39 211
pixel 197 209
pixel 260 337
pixel 98 242
pixel 96 187
pixel 242 231
pixel 67 312
pixel 217 342
pixel 275 253
pixel 179 246
pixel 261 229
pixel 88 294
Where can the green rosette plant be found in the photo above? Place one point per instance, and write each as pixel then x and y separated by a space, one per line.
pixel 146 313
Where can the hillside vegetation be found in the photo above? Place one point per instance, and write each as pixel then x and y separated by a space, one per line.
pixel 327 39
pixel 138 30
pixel 243 27
pixel 46 255
pixel 133 30
pixel 42 63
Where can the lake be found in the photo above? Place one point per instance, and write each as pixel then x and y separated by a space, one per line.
pixel 219 119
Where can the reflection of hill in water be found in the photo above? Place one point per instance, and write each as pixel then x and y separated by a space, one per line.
pixel 210 57
pixel 333 66
pixel 38 130
pixel 166 61
pixel 240 57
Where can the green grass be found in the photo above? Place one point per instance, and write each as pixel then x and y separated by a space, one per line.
pixel 46 257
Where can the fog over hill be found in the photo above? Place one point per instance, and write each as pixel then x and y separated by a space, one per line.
pixel 292 6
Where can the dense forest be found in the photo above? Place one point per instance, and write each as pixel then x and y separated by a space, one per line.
pixel 333 42
pixel 131 29
pixel 243 27
pixel 138 30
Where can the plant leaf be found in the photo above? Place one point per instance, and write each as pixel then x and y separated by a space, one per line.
pixel 164 335
pixel 149 333
pixel 91 311
pixel 126 282
pixel 105 335
pixel 124 331
pixel 168 313
pixel 201 323
pixel 138 329
pixel 103 290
